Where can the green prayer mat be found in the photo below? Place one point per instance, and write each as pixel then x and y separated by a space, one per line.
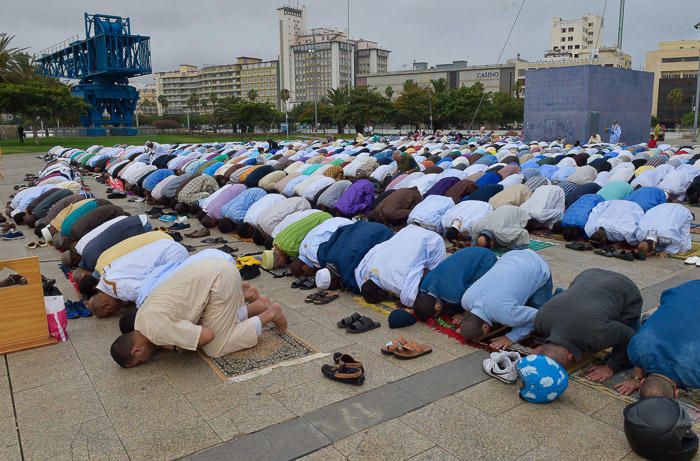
pixel 535 245
pixel 694 251
pixel 272 350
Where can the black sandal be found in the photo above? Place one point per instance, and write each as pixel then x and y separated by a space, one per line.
pixel 324 298
pixel 363 325
pixel 347 321
pixel 308 284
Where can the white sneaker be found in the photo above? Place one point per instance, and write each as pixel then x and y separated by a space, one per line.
pixel 513 356
pixel 500 366
pixel 692 260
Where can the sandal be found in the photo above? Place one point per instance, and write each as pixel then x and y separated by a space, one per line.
pixel 42 243
pixel 216 240
pixel 31 245
pixel 298 282
pixel 308 284
pixel 347 321
pixel 624 255
pixel 363 325
pixel 406 350
pixel 324 297
pixel 607 252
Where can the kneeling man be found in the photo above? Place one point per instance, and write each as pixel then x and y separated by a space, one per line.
pixel 200 306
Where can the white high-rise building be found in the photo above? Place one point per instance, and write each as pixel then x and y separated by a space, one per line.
pixel 292 24
pixel 571 37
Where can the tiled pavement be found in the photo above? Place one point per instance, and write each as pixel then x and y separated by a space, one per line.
pixel 70 401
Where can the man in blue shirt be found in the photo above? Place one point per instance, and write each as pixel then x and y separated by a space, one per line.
pixel 509 294
pixel 666 347
pixel 442 288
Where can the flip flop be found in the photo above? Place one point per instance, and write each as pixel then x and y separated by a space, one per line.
pixel 227 249
pixel 406 350
pixel 325 298
pixel 313 296
pixel 299 282
pixel 348 320
pixel 42 244
pixel 363 325
pixel 31 245
pixel 216 240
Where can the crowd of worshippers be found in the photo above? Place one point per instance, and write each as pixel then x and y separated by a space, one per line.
pixel 370 218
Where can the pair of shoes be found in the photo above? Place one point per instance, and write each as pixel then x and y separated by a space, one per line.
pixel 579 246
pixel 626 255
pixel 12 235
pixel 115 195
pixel 321 297
pixel 175 235
pixel 7 227
pixel 502 366
pixel 34 245
pixel 304 283
pixel 227 249
pixel 607 252
pixel 13 279
pixel 75 309
pixel 214 241
pixel 345 369
pixel 693 261
pixel 199 233
pixel 178 226
pixel 356 323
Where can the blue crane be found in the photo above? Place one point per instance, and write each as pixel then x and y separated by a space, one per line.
pixel 103 64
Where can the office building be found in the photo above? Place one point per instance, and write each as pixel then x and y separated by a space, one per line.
pixel 606 57
pixel 494 77
pixel 317 60
pixel 572 36
pixel 147 104
pixel 263 77
pixel 675 65
pixel 220 81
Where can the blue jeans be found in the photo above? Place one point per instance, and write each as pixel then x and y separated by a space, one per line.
pixel 542 295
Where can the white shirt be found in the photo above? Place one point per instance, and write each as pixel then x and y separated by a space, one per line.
pixel 397 264
pixel 546 205
pixel 256 209
pixel 512 180
pixel 308 250
pixel 122 278
pixel 619 218
pixel 463 215
pixel 383 171
pixel 671 222
pixel 310 192
pixel 622 172
pixel 429 212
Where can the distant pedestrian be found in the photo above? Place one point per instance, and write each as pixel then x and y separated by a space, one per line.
pixel 20 134
pixel 615 132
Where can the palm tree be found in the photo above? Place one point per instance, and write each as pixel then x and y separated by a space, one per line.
pixel 10 59
pixel 204 102
pixel 338 99
pixel 284 97
pixel 163 101
pixel 213 100
pixel 439 85
pixel 389 92
pixel 675 99
pixel 252 94
pixel 192 102
pixel 519 88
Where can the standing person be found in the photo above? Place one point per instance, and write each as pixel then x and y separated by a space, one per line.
pixel 615 132
pixel 657 132
pixel 651 143
pixel 20 134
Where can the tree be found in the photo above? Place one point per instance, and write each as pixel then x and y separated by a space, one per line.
pixel 338 100
pixel 413 104
pixel 204 102
pixel 10 60
pixel 164 103
pixel 213 100
pixel 519 88
pixel 439 86
pixel 675 98
pixel 252 94
pixel 366 106
pixel 510 108
pixel 192 102
pixel 41 99
pixel 389 92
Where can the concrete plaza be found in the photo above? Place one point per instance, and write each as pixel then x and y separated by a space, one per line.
pixel 71 401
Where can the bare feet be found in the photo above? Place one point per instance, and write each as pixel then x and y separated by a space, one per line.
pixel 278 317
pixel 259 306
pixel 250 293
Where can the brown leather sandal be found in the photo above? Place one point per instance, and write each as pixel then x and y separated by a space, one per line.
pixel 406 350
pixel 346 370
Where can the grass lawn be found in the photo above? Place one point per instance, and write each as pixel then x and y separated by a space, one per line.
pixel 14 147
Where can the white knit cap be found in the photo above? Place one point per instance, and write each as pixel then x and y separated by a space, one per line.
pixel 323 279
pixel 46 234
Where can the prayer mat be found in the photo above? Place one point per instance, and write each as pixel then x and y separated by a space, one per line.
pixel 384 307
pixel 690 399
pixel 694 251
pixel 535 245
pixel 272 351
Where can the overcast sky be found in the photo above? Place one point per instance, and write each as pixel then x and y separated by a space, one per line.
pixel 438 31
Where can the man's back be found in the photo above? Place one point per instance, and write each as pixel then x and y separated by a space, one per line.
pixel 585 317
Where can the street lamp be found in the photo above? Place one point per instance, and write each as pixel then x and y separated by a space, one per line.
pixel 313 63
pixel 697 97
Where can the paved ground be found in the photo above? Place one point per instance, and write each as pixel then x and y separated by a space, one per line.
pixel 70 401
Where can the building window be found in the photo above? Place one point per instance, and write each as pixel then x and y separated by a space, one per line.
pixel 571 29
pixel 577 46
pixel 563 30
pixel 575 56
pixel 563 39
pixel 571 39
